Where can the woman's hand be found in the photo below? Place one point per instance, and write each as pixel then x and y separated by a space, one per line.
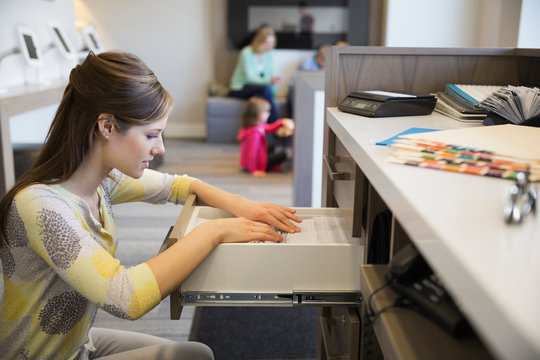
pixel 240 230
pixel 278 216
pixel 276 79
pixel 287 129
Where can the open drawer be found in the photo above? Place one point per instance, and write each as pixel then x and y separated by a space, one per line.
pixel 318 266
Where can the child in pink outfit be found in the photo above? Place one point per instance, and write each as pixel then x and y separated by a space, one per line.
pixel 254 156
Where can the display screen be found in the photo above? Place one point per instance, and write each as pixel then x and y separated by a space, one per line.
pixel 299 24
pixel 361 105
pixel 32 53
pixel 94 41
pixel 61 38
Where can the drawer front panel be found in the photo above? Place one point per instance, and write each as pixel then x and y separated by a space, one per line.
pixel 321 269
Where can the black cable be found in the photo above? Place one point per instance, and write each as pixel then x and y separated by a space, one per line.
pixel 400 302
pixel 369 307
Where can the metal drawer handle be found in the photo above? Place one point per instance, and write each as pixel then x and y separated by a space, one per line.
pixel 329 161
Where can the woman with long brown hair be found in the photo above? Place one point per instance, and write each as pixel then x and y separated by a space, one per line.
pixel 58 237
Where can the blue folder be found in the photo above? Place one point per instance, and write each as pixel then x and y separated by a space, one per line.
pixel 413 130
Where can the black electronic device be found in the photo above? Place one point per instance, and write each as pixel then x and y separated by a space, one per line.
pixel 387 104
pixel 415 281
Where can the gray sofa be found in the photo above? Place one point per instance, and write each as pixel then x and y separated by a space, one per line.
pixel 223 117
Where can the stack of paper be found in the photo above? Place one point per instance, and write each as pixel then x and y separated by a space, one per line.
pixel 497 151
pixel 461 101
pixel 319 230
pixel 514 103
pixel 471 95
pixel 446 107
pixel 315 229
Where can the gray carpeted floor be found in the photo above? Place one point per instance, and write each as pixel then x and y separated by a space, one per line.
pixel 257 332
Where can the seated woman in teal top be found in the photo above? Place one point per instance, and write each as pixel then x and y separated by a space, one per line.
pixel 254 72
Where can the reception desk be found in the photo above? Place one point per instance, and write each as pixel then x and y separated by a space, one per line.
pixel 490 268
pixel 456 221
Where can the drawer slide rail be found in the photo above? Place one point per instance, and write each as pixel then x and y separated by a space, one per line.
pixel 295 299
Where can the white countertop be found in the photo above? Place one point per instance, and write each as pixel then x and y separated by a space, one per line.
pixel 456 220
pixel 23 89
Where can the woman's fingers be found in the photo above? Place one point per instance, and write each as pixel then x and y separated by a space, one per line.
pixel 244 230
pixel 269 232
pixel 266 233
pixel 282 218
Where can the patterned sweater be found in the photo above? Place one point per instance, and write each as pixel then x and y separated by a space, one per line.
pixel 61 266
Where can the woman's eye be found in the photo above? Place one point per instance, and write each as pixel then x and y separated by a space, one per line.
pixel 152 136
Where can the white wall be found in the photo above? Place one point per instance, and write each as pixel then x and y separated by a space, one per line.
pixel 456 23
pixel 528 26
pixel 172 37
pixel 286 63
pixel 35 14
pixel 176 38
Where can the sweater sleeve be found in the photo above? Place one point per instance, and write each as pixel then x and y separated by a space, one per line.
pixel 273 126
pixel 153 187
pixel 60 234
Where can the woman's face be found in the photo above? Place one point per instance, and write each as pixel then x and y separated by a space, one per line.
pixel 133 150
pixel 268 43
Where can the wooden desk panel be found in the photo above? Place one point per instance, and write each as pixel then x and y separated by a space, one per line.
pixel 425 70
pixel 404 333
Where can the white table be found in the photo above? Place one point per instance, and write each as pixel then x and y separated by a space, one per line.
pixel 456 221
pixel 16 100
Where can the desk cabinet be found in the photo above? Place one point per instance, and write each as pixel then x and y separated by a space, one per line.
pixel 404 333
pixel 466 242
pixel 348 188
pixel 362 195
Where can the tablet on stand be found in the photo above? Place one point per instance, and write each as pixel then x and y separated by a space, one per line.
pixel 32 55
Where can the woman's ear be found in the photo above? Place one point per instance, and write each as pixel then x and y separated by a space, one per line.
pixel 106 124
